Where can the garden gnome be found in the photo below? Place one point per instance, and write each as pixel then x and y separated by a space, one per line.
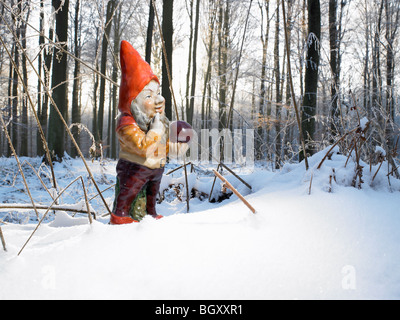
pixel 142 130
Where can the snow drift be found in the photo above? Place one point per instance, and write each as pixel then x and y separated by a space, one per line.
pixel 313 237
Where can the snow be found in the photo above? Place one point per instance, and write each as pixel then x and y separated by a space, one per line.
pixel 313 237
pixel 363 123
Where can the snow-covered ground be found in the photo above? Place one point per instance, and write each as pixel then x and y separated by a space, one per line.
pixel 310 238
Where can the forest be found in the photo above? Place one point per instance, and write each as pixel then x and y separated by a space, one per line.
pixel 303 74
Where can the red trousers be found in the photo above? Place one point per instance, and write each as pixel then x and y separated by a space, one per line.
pixel 132 179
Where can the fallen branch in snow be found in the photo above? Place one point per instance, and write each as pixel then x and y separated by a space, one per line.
pixel 44 207
pixel 227 184
pixel 3 242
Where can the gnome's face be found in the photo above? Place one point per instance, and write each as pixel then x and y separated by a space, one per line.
pixel 147 103
pixel 150 99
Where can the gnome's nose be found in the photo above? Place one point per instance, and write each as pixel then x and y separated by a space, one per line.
pixel 159 100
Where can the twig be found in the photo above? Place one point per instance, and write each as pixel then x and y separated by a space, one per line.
pixel 234 191
pixel 86 201
pixel 353 145
pixel 3 242
pixel 180 167
pixel 237 177
pixel 113 185
pixel 393 170
pixel 334 145
pixel 380 165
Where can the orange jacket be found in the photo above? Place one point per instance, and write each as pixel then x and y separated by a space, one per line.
pixel 145 148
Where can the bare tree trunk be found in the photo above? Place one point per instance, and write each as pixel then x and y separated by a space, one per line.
pixel 288 133
pixel 76 106
pixel 56 132
pixel 39 146
pixel 377 79
pixel 96 83
pixel 334 60
pixel 204 111
pixel 366 65
pixel 15 82
pixel 278 96
pixel 117 29
pixel 25 131
pixel 47 65
pixel 311 76
pixel 223 37
pixel 149 38
pixel 263 88
pixel 392 22
pixel 194 70
pixel 103 67
pixel 167 30
pixel 190 11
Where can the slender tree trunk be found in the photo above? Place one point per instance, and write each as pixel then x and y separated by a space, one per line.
pixel 76 107
pixel 311 76
pixel 194 71
pixel 334 51
pixel 190 9
pixel 39 144
pixel 288 133
pixel 278 95
pixel 47 66
pixel 25 131
pixel 207 77
pixel 223 62
pixel 149 38
pixel 263 88
pixel 117 27
pixel 96 84
pixel 15 83
pixel 103 67
pixel 59 84
pixel 392 22
pixel 366 65
pixel 167 30
pixel 9 94
pixel 376 79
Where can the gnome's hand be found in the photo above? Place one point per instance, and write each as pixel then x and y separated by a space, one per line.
pixel 157 126
pixel 177 149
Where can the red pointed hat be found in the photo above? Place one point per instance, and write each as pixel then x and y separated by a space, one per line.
pixel 136 74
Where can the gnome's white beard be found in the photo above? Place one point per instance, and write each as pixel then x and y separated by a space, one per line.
pixel 143 120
